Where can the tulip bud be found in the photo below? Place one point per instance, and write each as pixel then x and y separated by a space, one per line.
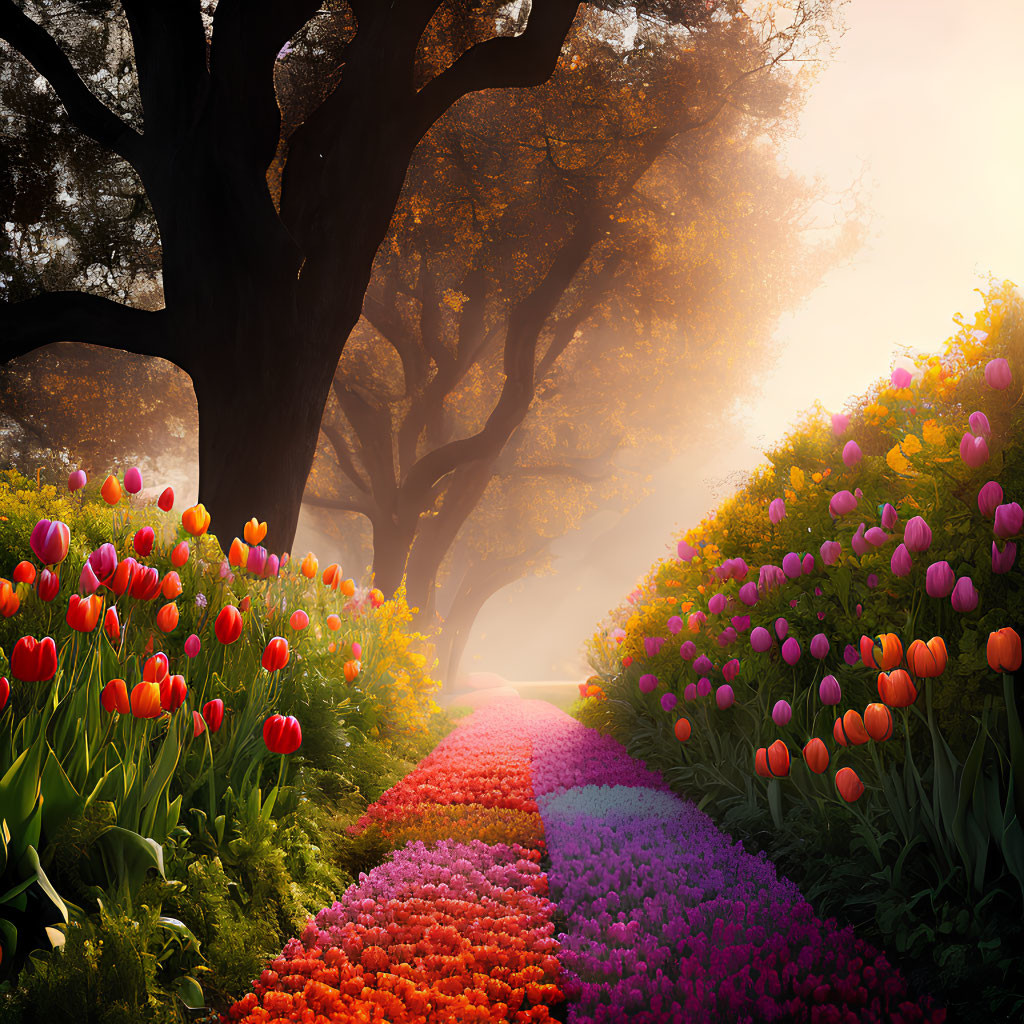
pixel 889 516
pixel 816 755
pixel 978 422
pixel 172 692
pixel 273 565
pixel 782 713
pixel 777 510
pixel 781 627
pixel 841 503
pixel 166 499
pixel 133 481
pixel 851 454
pixel 990 495
pixel 281 734
pixel 193 646
pixel 143 541
pixel 819 646
pixel 831 551
pixel 167 618
pixel 309 565
pixel 858 543
pixel 648 683
pixel 1003 561
pixel 807 564
pixel 299 619
pixel 111 490
pixel 256 562
pixel 917 535
pixel 702 665
pixel 111 626
pixel 675 624
pixel 245 604
pixel 1008 520
pixel 228 625
pixel 741 623
pixel 351 669
pixel 198 724
pixel 900 378
pixel 179 556
pixel 685 551
pixel 114 697
pixel 254 531
pixel 690 693
pixel 687 650
pixel 829 691
pixel 668 701
pixel 849 785
pixel 730 670
pixel 791 565
pixel 717 604
pixel 998 375
pixel 777 759
pixel 939 579
pixel 77 480
pixel 724 697
pixel 703 687
pixel 760 639
pixel 145 700
pixel 791 650
pixel 48 585
pixel 276 654
pixel 748 594
pixel 682 729
pixel 973 451
pixel 901 563
pixel 964 597
pixel 213 714
pixel 876 536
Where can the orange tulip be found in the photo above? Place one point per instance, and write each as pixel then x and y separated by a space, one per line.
pixel 254 532
pixel 816 755
pixel 878 722
pixel 111 626
pixel 850 729
pixel 332 575
pixel 228 624
pixel 849 785
pixel 115 697
pixel 156 668
pixel 348 587
pixel 9 600
pixel 332 647
pixel 884 651
pixel 927 660
pixel 145 700
pixel 351 670
pixel 333 622
pixel 123 576
pixel 682 729
pixel 1003 650
pixel 309 566
pixel 84 612
pixel 196 520
pixel 167 618
pixel 761 763
pixel 376 598
pixel 24 572
pixel 238 554
pixel 111 490
pixel 171 586
pixel 179 556
pixel 777 759
pixel 896 688
pixel 172 692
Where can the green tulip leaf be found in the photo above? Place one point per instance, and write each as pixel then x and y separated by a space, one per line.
pixel 190 992
pixel 61 800
pixel 45 884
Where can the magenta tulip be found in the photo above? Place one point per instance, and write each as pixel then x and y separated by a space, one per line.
pixel 50 541
pixel 717 604
pixel 851 655
pixel 668 701
pixel 829 691
pixel 690 693
pixel 726 637
pixel 840 421
pixel 104 562
pixel 1003 561
pixel 741 623
pixel 964 597
pixel 748 594
pixel 256 560
pixel 730 670
pixel 998 375
pixel 819 646
pixel 133 480
pixel 876 536
pixel 831 551
pixel 782 712
pixel 979 424
pixel 760 639
pixel 917 535
pixel 87 581
pixel 704 687
pixel 901 562
pixel 851 454
pixel 273 565
pixel 858 543
pixel 703 666
pixel 193 646
pixel 1008 521
pixel 841 503
pixel 77 480
pixel 990 495
pixel 685 551
pixel 808 564
pixel 769 576
pixel 724 697
pixel 777 510
pixel 791 650
pixel 648 683
pixel 900 377
pixel 791 565
pixel 781 627
pixel 973 450
pixel 939 580
pixel 687 650
pixel 889 516
pixel 652 645
pixel 675 624
pixel 872 580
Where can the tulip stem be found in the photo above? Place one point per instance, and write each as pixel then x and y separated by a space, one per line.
pixel 282 773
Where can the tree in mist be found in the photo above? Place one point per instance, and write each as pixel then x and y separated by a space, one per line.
pixel 265 145
pixel 621 290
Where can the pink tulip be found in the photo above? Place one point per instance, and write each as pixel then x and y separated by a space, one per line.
pixel 760 639
pixel 851 454
pixel 978 422
pixel 695 620
pixel 859 610
pixel 685 551
pixel 939 580
pixel 876 536
pixel 917 535
pixel 782 713
pixel 740 569
pixel 858 543
pixel 964 597
pixel 791 650
pixel 829 691
pixel 193 646
pixel 777 510
pixel 704 687
pixel 690 693
pixel 87 581
pixel 840 421
pixel 702 666
pixel 357 649
pixel 768 577
pixel 851 655
pixel 730 670
pixel 989 496
pixel 724 697
pixel 808 564
pixel 687 650
pixel 901 562
pixel 648 683
pixel 726 637
pixel 791 565
pixel 819 646
pixel 889 516
pixel 973 450
pixel 675 624
pixel 872 580
pixel 50 541
pixel 668 701
pixel 104 561
pixel 717 604
pixel 1008 521
pixel 831 552
pixel 998 375
pixel 900 377
pixel 741 623
pixel 143 540
pixel 133 481
pixel 273 565
pixel 781 627
pixel 77 480
pixel 748 594
pixel 652 645
pixel 1003 561
pixel 841 503
pixel 256 560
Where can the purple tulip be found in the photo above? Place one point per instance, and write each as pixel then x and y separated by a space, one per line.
pixel 668 701
pixel 900 378
pixel 782 712
pixel 872 580
pixel 1009 519
pixel 973 450
pixel 687 650
pixel 89 584
pixel 675 624
pixel 133 480
pixel 690 693
pixel 777 510
pixel 876 536
pixel 652 645
pixel 917 535
pixel 730 670
pixel 998 375
pixel 990 495
pixel 703 665
pixel 760 639
pixel 819 646
pixel 829 691
pixel 1003 561
pixel 104 561
pixel 781 627
pixel 685 551
pixel 791 565
pixel 851 655
pixel 648 683
pixel 851 454
pixel 703 687
pixel 859 610
pixel 840 421
pixel 979 424
pixel 841 503
pixel 748 594
pixel 50 541
pixel 831 551
pixel 717 604
pixel 901 562
pixel 964 597
pixel 939 580
pixel 724 697
pixel 256 560
pixel 791 650
pixel 193 646
pixel 858 543
pixel 77 480
pixel 741 623
pixel 889 516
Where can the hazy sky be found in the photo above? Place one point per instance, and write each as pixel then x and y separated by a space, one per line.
pixel 927 97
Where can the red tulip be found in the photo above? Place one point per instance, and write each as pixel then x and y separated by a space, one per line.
pixel 281 734
pixel 167 618
pixel 156 668
pixel 878 722
pixel 166 499
pixel 123 575
pixel 299 619
pixel 228 625
pixel 179 556
pixel 5 692
pixel 172 692
pixel 275 656
pixel 198 725
pixel 761 763
pixel 145 583
pixel 143 541
pixel 213 713
pixel 145 700
pixel 849 785
pixel 50 541
pixel 376 597
pixel 111 625
pixel 34 661
pixel 245 604
pixel 24 572
pixel 48 585
pixel 115 697
pixel 84 612
pixel 816 755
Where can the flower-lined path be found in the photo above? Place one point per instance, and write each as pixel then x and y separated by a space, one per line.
pixel 522 814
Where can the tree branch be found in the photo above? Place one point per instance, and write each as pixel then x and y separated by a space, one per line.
pixel 338 504
pixel 87 113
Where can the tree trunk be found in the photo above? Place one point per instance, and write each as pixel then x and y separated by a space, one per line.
pixel 391 544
